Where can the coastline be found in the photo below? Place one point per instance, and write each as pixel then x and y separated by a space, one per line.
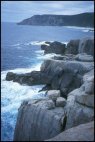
pixel 76 66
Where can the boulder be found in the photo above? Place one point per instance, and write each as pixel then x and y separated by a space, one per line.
pixel 60 102
pixel 72 47
pixel 86 45
pixel 38 121
pixel 83 132
pixel 53 94
pixel 54 47
pixel 10 76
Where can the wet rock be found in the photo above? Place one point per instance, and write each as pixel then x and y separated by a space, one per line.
pixel 10 76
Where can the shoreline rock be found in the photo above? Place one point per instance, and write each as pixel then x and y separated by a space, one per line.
pixel 43 114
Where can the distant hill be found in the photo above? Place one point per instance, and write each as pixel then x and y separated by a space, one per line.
pixel 81 20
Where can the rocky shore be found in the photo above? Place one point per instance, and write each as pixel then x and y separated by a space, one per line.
pixel 68 108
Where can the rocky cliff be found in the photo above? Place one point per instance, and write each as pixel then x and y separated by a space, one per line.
pixel 81 20
pixel 69 99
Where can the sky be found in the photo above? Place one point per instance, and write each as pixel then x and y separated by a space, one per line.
pixel 16 11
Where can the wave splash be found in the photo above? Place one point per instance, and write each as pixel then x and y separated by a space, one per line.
pixel 13 94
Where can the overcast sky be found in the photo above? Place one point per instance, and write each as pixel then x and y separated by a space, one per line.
pixel 15 11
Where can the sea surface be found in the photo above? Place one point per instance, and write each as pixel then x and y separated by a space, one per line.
pixel 21 53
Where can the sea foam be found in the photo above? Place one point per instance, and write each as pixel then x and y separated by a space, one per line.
pixel 13 94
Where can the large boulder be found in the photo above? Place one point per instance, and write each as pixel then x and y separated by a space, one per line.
pixel 86 45
pixel 53 94
pixel 54 47
pixel 83 132
pixel 72 47
pixel 38 120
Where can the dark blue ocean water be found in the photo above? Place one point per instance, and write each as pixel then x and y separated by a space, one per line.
pixel 20 52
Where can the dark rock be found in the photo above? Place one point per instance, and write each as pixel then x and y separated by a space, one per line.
pixel 33 78
pixel 72 47
pixel 54 47
pixel 86 46
pixel 10 76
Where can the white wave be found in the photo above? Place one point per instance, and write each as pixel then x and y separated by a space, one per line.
pixel 18 44
pixel 65 42
pixel 37 43
pixel 86 30
pixel 47 56
pixel 79 28
pixel 13 93
pixel 22 70
pixel 40 52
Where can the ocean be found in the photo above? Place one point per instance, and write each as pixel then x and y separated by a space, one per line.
pixel 20 53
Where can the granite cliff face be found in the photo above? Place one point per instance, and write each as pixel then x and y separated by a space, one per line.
pixel 81 20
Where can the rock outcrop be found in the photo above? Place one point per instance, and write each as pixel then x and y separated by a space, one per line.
pixel 39 120
pixel 72 47
pixel 85 45
pixel 33 78
pixel 54 47
pixel 83 132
